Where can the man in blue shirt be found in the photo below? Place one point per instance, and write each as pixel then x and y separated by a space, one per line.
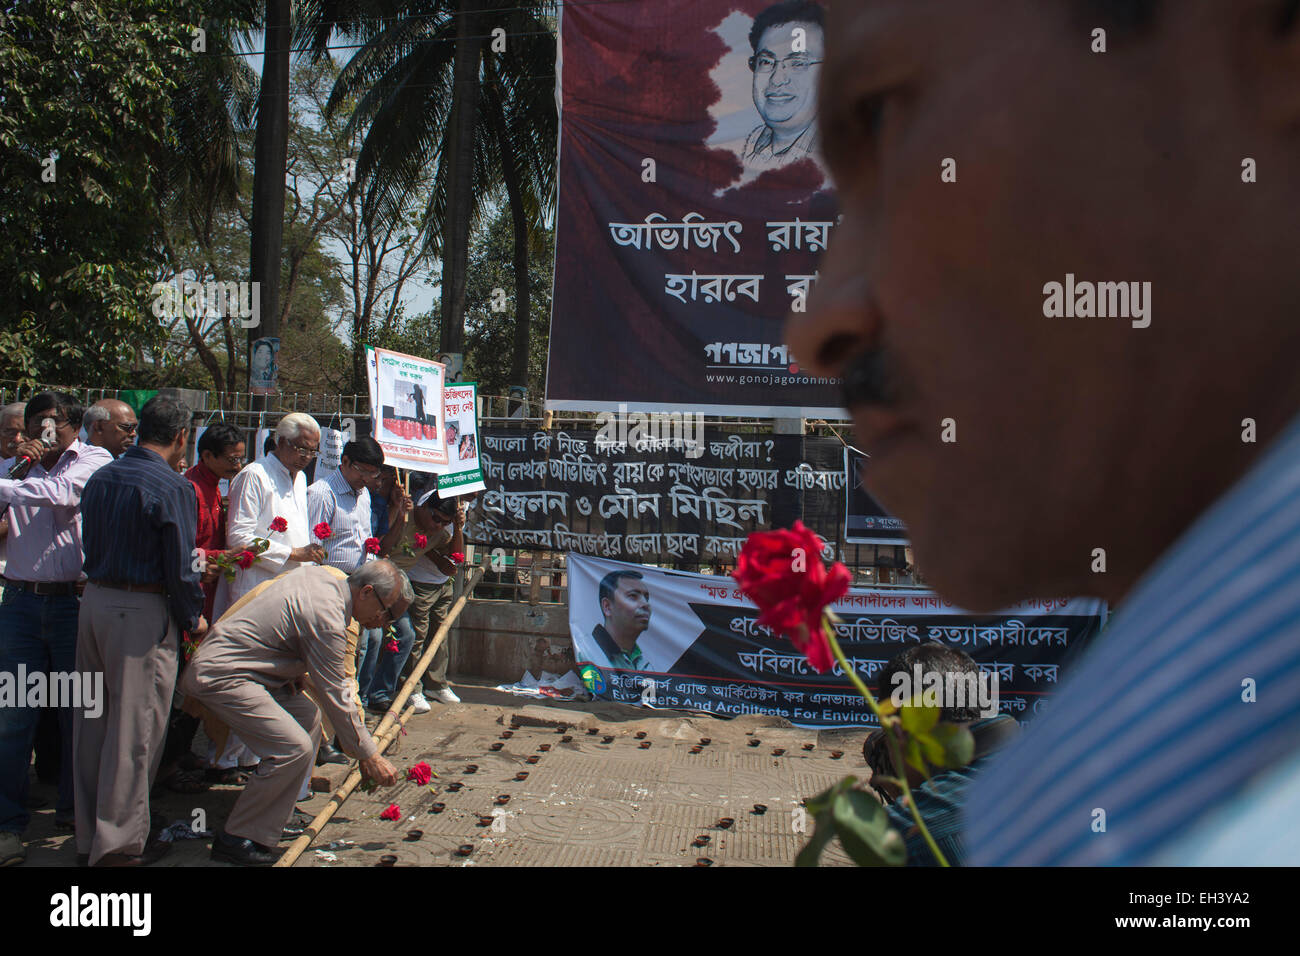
pixel 139 522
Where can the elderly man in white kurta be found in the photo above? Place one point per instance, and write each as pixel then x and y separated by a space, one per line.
pixel 275 487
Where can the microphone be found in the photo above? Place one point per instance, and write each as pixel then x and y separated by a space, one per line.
pixel 18 471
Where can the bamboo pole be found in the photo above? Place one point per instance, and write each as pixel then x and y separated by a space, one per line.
pixel 389 728
pixel 300 845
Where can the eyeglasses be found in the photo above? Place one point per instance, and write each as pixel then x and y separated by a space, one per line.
pixel 368 475
pixel 387 610
pixel 305 452
pixel 440 518
pixel 765 63
pixel 234 459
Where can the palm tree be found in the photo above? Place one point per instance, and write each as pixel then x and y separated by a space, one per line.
pixel 434 95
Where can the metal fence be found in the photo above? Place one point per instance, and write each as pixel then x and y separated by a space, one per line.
pixel 513 574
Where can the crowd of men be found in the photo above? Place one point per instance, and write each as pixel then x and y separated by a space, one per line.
pixel 271 633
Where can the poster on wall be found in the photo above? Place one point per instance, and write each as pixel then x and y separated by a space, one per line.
pixel 865 520
pixel 692 641
pixel 264 366
pixel 694 196
pixel 464 476
pixel 406 409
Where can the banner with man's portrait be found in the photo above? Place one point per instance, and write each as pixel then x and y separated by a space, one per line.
pixel 692 641
pixel 694 207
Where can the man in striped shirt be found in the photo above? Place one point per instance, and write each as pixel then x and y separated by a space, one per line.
pixel 1141 443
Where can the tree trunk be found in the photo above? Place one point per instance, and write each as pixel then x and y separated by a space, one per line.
pixel 514 194
pixel 270 159
pixel 460 178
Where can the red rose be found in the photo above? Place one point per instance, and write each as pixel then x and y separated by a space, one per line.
pixel 457 557
pixel 246 559
pixel 391 647
pixel 322 531
pixel 279 524
pixel 372 545
pixel 782 572
pixel 394 812
pixel 421 541
pixel 421 773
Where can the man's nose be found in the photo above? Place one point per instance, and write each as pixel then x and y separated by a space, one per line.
pixel 839 320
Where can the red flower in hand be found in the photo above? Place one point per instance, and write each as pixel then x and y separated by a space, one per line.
pixel 782 572
pixel 246 559
pixel 322 530
pixel 421 540
pixel 457 557
pixel 421 773
pixel 391 646
pixel 394 812
pixel 279 524
pixel 372 545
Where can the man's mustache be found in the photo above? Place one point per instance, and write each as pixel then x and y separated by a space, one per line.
pixel 870 378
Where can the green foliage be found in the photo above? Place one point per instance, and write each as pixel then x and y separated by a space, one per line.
pixel 90 83
pixel 860 823
pixel 489 335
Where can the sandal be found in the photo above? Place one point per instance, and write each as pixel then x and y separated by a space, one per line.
pixel 230 777
pixel 185 781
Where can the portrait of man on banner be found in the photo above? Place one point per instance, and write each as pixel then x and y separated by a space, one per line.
pixel 625 605
pixel 787 40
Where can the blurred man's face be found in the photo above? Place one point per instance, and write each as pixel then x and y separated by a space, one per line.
pixel 1071 434
pixel 627 615
pixel 786 94
pixel 11 433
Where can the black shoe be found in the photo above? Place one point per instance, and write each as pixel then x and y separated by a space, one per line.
pixel 328 753
pixel 154 851
pixel 297 826
pixel 232 849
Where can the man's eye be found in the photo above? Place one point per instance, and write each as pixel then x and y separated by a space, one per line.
pixel 868 114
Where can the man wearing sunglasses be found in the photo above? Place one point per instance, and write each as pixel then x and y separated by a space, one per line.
pixel 440 522
pixel 110 424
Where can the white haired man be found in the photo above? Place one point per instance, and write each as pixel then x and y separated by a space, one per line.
pixel 251 670
pixel 110 424
pixel 272 488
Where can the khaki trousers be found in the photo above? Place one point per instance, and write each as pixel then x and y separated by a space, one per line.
pixel 428 611
pixel 280 725
pixel 131 639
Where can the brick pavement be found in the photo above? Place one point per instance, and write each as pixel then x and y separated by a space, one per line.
pixel 585 802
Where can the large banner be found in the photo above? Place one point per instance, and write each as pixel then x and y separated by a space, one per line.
pixel 691 641
pixel 650 501
pixel 694 206
pixel 406 408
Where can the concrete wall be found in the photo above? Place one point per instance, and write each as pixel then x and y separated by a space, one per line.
pixel 502 639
